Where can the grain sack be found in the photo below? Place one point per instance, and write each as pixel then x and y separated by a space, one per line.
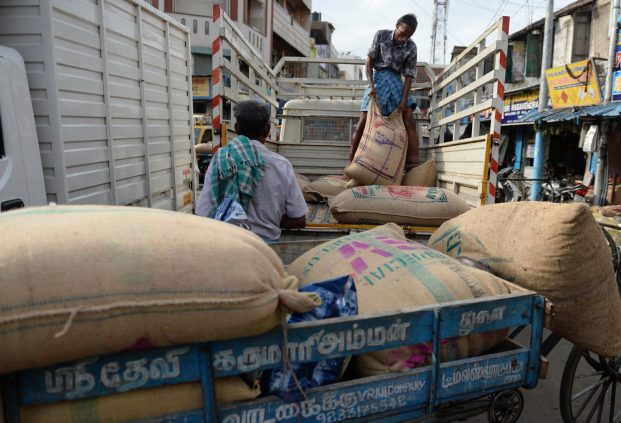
pixel 324 187
pixel 394 274
pixel 302 181
pixel 557 250
pixel 422 176
pixel 380 157
pixel 78 281
pixel 404 205
pixel 137 405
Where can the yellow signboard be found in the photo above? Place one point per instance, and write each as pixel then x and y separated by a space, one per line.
pixel 573 85
pixel 200 86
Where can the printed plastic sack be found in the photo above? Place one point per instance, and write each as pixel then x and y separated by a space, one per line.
pixel 338 299
pixel 380 156
pixel 393 274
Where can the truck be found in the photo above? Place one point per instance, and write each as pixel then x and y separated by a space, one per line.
pixel 460 130
pixel 96 105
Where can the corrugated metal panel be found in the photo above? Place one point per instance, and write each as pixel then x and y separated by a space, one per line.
pixel 557 115
pixel 110 84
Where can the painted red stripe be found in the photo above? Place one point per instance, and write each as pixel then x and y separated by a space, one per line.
pixel 496 136
pixel 215 101
pixel 505 25
pixel 215 46
pixel 216 12
pixel 494 166
pixel 503 59
pixel 498 116
pixel 501 90
pixel 216 121
pixel 492 190
pixel 215 77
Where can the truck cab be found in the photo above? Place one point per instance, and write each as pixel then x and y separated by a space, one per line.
pixel 21 174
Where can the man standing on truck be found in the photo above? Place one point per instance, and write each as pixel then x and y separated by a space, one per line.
pixel 262 181
pixel 391 55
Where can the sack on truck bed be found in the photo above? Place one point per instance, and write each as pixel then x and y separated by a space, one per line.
pixel 380 157
pixel 397 204
pixel 394 274
pixel 424 175
pixel 78 281
pixel 557 250
pixel 138 405
pixel 324 188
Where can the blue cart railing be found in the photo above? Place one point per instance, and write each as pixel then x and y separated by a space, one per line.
pixel 387 398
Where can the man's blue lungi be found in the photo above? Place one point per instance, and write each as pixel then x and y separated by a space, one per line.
pixel 389 89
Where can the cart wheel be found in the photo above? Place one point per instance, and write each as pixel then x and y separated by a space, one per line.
pixel 589 388
pixel 506 407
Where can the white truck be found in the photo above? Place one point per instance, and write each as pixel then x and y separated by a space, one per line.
pixel 461 130
pixel 105 114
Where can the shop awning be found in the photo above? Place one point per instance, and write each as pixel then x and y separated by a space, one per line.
pixel 572 113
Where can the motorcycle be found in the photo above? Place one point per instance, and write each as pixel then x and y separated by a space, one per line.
pixel 563 190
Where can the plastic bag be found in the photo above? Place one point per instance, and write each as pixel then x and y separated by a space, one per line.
pixel 230 211
pixel 338 299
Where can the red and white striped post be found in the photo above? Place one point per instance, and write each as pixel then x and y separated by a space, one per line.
pixel 217 87
pixel 496 118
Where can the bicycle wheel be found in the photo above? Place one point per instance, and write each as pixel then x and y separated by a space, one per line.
pixel 589 388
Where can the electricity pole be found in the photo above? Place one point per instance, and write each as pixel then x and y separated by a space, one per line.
pixel 546 62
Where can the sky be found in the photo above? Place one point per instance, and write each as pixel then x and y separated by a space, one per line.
pixel 355 21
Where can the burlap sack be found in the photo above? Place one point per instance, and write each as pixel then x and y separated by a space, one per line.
pixel 380 157
pixel 138 405
pixel 424 175
pixel 557 250
pixel 78 281
pixel 404 205
pixel 324 188
pixel 394 274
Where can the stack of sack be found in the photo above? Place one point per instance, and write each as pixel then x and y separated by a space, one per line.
pixel 393 274
pixel 80 281
pixel 558 250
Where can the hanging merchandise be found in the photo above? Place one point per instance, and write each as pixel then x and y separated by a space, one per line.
pixel 591 139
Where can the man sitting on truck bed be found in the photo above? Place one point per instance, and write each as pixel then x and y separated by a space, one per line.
pixel 262 181
pixel 391 55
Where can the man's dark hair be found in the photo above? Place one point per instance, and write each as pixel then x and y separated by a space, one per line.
pixel 409 19
pixel 252 117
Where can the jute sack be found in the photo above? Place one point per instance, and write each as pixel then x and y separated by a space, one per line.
pixel 404 205
pixel 78 281
pixel 380 157
pixel 137 405
pixel 424 175
pixel 557 250
pixel 394 274
pixel 324 187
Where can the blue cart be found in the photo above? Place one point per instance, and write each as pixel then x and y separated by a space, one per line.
pixel 487 383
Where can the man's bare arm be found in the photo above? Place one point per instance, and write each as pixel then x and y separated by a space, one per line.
pixel 293 222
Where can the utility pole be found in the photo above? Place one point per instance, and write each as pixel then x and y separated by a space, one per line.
pixel 599 193
pixel 546 62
